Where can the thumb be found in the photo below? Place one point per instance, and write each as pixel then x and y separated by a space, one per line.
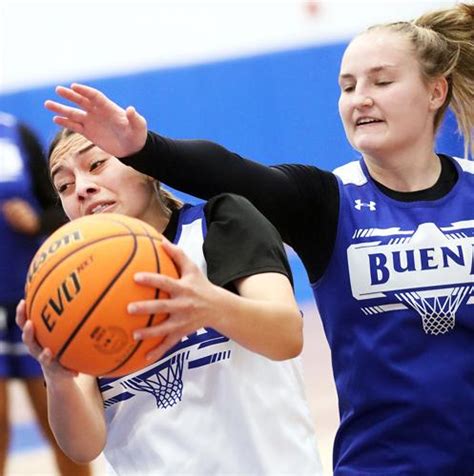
pixel 137 121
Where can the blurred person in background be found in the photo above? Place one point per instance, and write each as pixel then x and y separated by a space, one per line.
pixel 29 211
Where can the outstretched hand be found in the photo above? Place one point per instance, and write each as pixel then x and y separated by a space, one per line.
pixel 117 131
pixel 192 302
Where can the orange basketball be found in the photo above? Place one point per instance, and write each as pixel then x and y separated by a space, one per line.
pixel 78 287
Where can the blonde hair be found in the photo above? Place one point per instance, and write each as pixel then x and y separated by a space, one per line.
pixel 169 201
pixel 443 42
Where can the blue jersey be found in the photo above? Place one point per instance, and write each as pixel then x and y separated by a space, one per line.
pixel 397 304
pixel 16 249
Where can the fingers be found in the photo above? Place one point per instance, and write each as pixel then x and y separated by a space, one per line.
pixel 88 92
pixel 159 281
pixel 84 96
pixel 28 337
pixel 72 113
pixel 156 306
pixel 45 358
pixel 164 328
pixel 167 343
pixel 73 96
pixel 68 124
pixel 20 317
pixel 182 262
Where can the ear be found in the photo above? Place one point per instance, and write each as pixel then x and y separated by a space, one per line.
pixel 438 92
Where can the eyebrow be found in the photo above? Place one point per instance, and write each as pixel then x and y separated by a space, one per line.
pixel 375 69
pixel 59 168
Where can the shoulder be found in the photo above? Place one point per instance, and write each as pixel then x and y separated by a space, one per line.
pixel 240 241
pixel 465 164
pixel 351 173
pixel 232 207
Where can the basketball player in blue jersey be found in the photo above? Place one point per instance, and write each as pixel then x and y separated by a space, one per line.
pixel 223 393
pixel 387 241
pixel 28 211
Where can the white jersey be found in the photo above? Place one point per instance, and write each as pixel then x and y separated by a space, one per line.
pixel 209 406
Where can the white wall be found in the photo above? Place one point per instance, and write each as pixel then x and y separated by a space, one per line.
pixel 46 42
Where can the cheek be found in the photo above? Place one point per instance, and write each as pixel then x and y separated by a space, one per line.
pixel 69 209
pixel 344 112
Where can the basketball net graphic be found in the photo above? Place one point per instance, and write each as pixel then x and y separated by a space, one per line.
pixel 165 383
pixel 428 269
pixel 436 308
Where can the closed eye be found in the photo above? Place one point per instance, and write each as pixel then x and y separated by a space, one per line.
pixel 347 88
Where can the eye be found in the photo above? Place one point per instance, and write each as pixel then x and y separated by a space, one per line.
pixel 347 88
pixel 383 83
pixel 61 188
pixel 97 163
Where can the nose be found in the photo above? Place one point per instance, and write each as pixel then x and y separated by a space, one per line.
pixel 362 99
pixel 85 187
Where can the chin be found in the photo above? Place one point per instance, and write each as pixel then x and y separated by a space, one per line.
pixel 369 147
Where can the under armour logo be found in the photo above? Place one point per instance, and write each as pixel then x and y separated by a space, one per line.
pixel 359 204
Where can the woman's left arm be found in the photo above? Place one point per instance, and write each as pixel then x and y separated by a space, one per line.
pixel 246 295
pixel 263 317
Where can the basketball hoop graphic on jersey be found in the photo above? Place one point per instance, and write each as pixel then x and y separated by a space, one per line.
pixel 429 270
pixel 164 382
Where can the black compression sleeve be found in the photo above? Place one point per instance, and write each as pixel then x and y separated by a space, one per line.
pixel 301 201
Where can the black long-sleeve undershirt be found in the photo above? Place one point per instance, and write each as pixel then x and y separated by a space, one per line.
pixel 301 201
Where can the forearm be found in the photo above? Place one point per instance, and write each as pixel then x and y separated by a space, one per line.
pixel 270 328
pixel 76 420
pixel 205 169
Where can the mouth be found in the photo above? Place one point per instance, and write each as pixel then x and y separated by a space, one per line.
pixel 103 207
pixel 367 121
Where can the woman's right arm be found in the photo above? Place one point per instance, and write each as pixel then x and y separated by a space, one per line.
pixel 301 201
pixel 75 409
pixel 197 167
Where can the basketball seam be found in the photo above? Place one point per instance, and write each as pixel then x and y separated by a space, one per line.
pixel 150 318
pixel 85 245
pixel 97 301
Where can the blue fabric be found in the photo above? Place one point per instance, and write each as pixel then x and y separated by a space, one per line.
pixel 16 249
pixel 405 381
pixel 15 362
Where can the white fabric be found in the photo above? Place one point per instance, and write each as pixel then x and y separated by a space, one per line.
pixel 240 414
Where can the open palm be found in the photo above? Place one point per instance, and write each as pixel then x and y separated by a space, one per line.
pixel 115 130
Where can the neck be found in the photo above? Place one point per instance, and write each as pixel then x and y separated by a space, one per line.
pixel 158 216
pixel 405 173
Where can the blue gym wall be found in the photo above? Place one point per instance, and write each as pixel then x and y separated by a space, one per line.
pixel 278 107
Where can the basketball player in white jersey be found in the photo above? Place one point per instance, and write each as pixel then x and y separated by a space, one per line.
pixel 223 393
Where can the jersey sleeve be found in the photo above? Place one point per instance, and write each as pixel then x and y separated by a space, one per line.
pixel 240 242
pixel 301 201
